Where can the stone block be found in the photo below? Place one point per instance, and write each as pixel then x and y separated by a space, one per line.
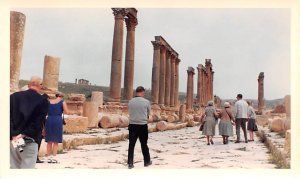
pixel 76 97
pixel 75 124
pixel 182 112
pixel 276 125
pixel 287 105
pixel 262 120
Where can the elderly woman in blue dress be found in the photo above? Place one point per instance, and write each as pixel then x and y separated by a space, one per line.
pixel 54 125
pixel 226 122
pixel 210 122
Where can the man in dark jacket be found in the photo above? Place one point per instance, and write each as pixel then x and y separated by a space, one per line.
pixel 28 110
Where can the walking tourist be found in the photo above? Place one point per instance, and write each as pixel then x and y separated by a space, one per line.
pixel 210 122
pixel 226 122
pixel 241 116
pixel 139 110
pixel 28 110
pixel 251 125
pixel 54 125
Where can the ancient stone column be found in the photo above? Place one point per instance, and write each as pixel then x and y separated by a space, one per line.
pixel 97 97
pixel 17 28
pixel 208 67
pixel 116 62
pixel 190 89
pixel 176 95
pixel 155 72
pixel 168 79
pixel 261 102
pixel 172 92
pixel 51 73
pixel 162 75
pixel 199 84
pixel 131 23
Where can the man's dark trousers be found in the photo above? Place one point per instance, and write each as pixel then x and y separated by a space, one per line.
pixel 241 122
pixel 141 132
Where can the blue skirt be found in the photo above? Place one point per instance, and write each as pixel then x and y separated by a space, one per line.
pixel 54 129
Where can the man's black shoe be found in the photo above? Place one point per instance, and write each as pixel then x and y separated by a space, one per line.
pixel 237 142
pixel 130 166
pixel 39 161
pixel 147 164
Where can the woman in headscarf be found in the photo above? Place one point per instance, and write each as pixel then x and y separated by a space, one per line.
pixel 226 122
pixel 210 122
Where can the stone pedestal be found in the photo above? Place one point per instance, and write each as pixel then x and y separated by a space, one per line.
pixel 90 110
pixel 17 28
pixel 287 105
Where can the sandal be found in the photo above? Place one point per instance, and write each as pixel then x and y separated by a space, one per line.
pixel 54 161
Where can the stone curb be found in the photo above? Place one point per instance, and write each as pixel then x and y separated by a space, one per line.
pixel 281 158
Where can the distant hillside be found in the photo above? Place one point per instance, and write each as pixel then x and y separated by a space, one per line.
pixel 67 88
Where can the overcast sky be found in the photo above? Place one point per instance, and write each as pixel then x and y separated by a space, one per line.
pixel 241 43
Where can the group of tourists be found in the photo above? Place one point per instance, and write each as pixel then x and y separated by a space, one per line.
pixel 242 114
pixel 34 116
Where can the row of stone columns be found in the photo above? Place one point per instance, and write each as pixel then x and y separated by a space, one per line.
pixel 205 83
pixel 165 72
pixel 116 64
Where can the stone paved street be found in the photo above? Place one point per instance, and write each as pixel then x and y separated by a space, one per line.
pixel 175 149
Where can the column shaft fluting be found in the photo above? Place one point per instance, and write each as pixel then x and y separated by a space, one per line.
pixel 190 88
pixel 116 65
pixel 162 75
pixel 172 92
pixel 17 28
pixel 129 58
pixel 51 73
pixel 168 79
pixel 155 72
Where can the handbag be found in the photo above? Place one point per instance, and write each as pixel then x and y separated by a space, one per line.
pixel 201 126
pixel 255 128
pixel 63 119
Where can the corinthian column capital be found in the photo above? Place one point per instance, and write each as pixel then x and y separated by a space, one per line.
pixel 119 13
pixel 131 23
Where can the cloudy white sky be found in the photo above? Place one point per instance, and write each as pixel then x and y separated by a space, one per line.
pixel 241 42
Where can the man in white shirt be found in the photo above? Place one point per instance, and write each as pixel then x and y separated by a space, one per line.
pixel 241 116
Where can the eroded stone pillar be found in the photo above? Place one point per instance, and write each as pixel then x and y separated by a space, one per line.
pixel 155 72
pixel 116 62
pixel 168 79
pixel 190 89
pixel 51 73
pixel 261 100
pixel 17 28
pixel 173 76
pixel 90 110
pixel 97 97
pixel 131 23
pixel 162 75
